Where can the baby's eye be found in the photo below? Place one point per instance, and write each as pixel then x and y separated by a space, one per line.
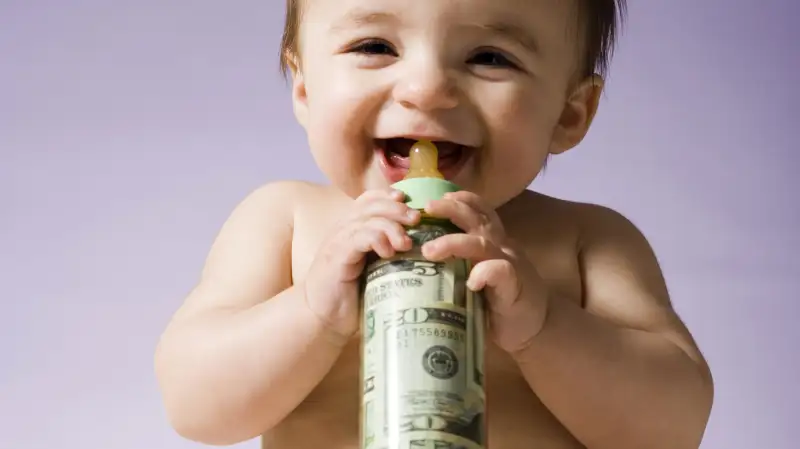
pixel 491 58
pixel 374 47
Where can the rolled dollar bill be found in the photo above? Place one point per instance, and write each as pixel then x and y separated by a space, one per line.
pixel 422 353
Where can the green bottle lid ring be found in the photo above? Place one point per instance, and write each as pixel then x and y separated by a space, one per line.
pixel 419 191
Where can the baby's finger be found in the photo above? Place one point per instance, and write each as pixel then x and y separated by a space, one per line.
pixel 363 240
pixel 392 210
pixel 393 231
pixel 383 236
pixel 499 276
pixel 472 200
pixel 460 214
pixel 380 194
pixel 466 246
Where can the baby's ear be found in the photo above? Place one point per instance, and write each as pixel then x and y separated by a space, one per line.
pixel 299 95
pixel 577 115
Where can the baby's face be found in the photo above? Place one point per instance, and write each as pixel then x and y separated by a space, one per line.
pixel 492 81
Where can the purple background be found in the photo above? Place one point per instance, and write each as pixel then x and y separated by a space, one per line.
pixel 130 129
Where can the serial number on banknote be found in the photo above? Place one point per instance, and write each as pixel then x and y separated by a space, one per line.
pixel 403 335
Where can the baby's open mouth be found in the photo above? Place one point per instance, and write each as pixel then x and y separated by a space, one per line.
pixel 396 151
pixel 393 156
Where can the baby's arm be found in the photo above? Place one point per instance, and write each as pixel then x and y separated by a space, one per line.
pixel 244 349
pixel 625 372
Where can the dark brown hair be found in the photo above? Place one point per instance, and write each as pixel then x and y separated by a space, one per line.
pixel 599 22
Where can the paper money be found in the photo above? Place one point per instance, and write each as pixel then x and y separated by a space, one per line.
pixel 436 440
pixel 422 355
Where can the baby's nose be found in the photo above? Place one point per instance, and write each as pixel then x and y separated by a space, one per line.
pixel 426 88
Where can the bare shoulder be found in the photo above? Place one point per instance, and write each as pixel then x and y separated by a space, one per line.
pixel 598 236
pixel 250 258
pixel 621 278
pixel 582 220
pixel 615 258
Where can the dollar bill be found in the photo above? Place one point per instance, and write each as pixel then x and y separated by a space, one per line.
pixel 435 440
pixel 422 354
pixel 476 321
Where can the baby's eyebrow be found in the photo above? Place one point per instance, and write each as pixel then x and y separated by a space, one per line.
pixel 361 17
pixel 364 16
pixel 514 32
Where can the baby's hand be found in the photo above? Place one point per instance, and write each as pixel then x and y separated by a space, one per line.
pixel 375 223
pixel 516 296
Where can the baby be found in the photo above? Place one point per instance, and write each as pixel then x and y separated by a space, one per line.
pixel 584 348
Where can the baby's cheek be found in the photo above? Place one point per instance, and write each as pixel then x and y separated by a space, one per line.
pixel 503 100
pixel 339 149
pixel 521 113
pixel 520 130
pixel 520 145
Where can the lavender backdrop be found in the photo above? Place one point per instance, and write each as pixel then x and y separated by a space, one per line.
pixel 129 130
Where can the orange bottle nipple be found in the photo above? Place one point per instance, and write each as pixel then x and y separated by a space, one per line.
pixel 423 161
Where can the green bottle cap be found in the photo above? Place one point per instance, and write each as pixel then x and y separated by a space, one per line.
pixel 419 191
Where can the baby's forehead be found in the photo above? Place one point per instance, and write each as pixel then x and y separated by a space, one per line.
pixel 439 11
pixel 531 20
